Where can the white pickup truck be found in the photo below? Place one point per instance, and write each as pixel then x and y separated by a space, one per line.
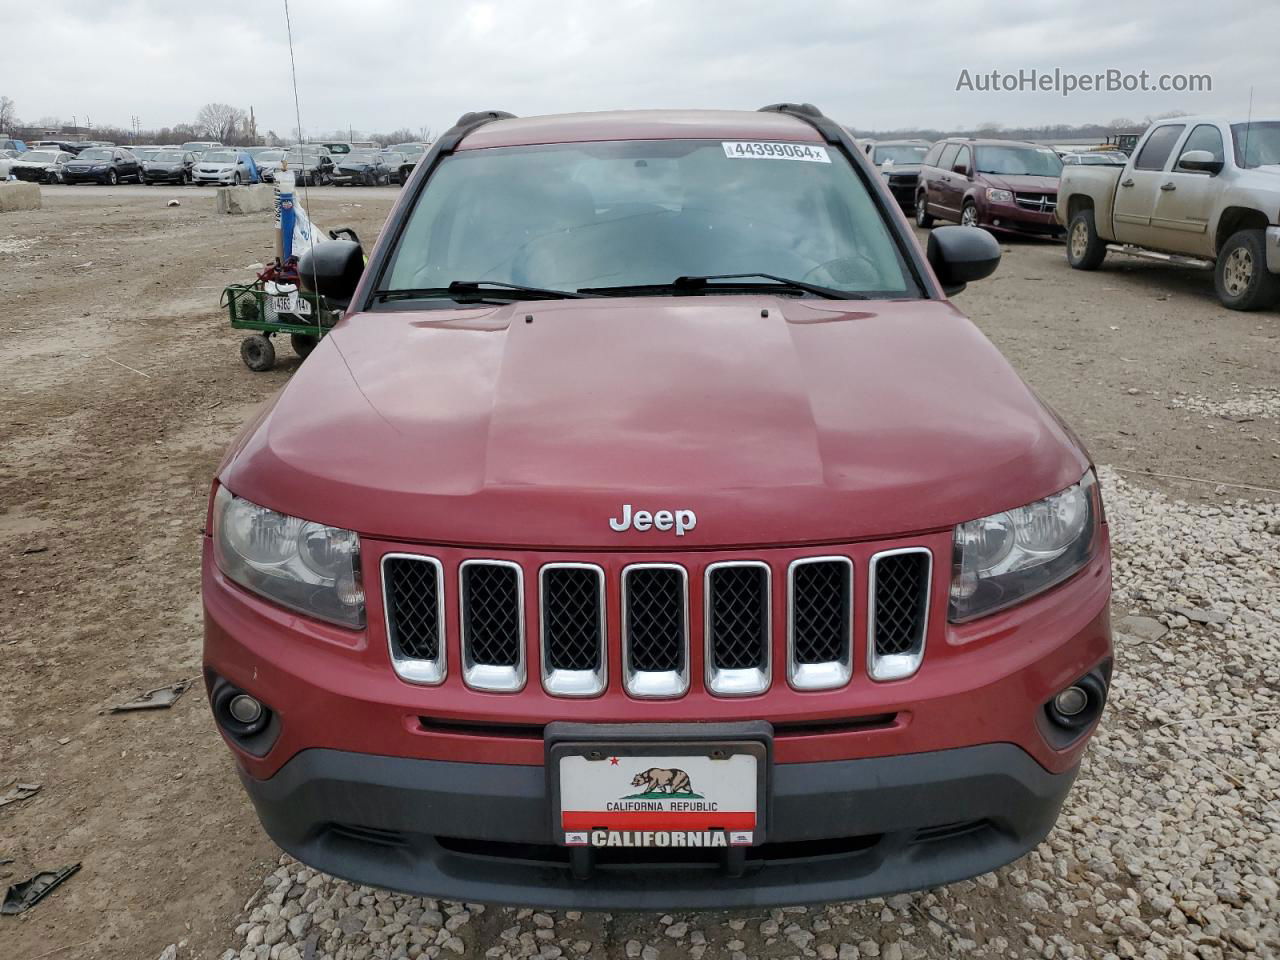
pixel 1203 191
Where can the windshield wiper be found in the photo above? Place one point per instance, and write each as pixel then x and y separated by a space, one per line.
pixel 471 289
pixel 699 284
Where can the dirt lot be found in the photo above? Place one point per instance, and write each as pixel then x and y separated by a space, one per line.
pixel 120 385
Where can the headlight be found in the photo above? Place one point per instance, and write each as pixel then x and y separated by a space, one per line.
pixel 309 567
pixel 1005 558
pixel 999 196
pixel 100 166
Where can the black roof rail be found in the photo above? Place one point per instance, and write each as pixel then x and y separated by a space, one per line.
pixel 831 131
pixel 466 124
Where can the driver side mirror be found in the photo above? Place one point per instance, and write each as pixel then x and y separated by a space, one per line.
pixel 1199 161
pixel 333 270
pixel 961 169
pixel 960 255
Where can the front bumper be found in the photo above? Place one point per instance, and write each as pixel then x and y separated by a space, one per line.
pixel 838 830
pixel 1011 218
pixel 225 178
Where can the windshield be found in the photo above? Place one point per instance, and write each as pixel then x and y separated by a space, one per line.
pixel 167 156
pixel 196 146
pixel 269 156
pixel 1019 161
pixel 900 154
pixel 95 154
pixel 624 213
pixel 40 156
pixel 364 156
pixel 219 156
pixel 310 155
pixel 409 149
pixel 1257 144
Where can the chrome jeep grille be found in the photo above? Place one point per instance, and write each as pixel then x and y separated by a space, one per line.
pixel 570 606
pixel 899 609
pixel 820 625
pixel 655 630
pixel 572 629
pixel 737 627
pixel 492 617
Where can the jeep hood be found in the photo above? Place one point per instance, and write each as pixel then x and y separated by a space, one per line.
pixel 776 420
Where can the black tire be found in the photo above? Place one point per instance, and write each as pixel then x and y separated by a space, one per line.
pixel 1085 249
pixel 236 179
pixel 112 178
pixel 257 353
pixel 969 212
pixel 923 219
pixel 1241 277
pixel 302 343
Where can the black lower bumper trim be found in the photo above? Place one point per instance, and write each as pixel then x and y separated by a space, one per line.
pixel 839 830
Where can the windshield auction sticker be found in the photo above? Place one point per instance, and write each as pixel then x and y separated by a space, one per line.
pixel 658 801
pixel 760 150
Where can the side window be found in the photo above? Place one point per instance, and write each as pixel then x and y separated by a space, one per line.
pixel 1205 137
pixel 948 158
pixel 1159 145
pixel 964 159
pixel 931 158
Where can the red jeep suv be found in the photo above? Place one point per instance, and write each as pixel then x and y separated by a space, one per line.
pixel 652 532
pixel 1003 185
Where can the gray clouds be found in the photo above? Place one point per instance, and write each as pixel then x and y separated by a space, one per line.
pixel 380 64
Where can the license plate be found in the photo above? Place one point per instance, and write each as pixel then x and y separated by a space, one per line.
pixel 291 304
pixel 659 795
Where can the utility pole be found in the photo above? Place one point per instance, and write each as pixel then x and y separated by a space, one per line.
pixel 136 126
pixel 253 128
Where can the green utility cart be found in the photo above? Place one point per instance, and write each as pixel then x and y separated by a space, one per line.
pixel 305 317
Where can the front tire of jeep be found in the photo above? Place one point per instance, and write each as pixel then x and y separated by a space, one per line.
pixel 1241 277
pixel 1085 249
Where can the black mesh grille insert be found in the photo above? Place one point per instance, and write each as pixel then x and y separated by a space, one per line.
pixel 571 618
pixel 739 612
pixel 491 613
pixel 820 611
pixel 655 619
pixel 413 607
pixel 901 593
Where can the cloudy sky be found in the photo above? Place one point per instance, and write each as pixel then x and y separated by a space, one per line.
pixel 383 64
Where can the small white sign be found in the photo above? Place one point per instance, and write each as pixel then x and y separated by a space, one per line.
pixel 762 150
pixel 291 304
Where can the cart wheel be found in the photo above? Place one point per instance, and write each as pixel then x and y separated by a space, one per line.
pixel 257 353
pixel 302 343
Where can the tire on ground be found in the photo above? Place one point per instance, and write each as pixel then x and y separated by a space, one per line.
pixel 1085 249
pixel 257 353
pixel 1241 277
pixel 302 343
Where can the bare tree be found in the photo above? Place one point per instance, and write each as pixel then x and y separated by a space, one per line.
pixel 8 114
pixel 220 121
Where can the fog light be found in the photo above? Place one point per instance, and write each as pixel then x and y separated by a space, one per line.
pixel 1069 702
pixel 995 222
pixel 248 710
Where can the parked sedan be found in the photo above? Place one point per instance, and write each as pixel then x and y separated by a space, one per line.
pixel 311 166
pixel 394 161
pixel 169 166
pixel 362 166
pixel 107 165
pixel 899 162
pixel 40 166
pixel 224 166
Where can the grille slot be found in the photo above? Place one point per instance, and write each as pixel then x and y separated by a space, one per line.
pixel 737 627
pixel 820 624
pixel 413 602
pixel 492 614
pixel 899 611
pixel 573 629
pixel 655 630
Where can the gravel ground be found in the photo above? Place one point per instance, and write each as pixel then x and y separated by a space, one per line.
pixel 1169 846
pixel 1239 405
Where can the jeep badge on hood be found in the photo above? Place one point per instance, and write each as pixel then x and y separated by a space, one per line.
pixel 642 520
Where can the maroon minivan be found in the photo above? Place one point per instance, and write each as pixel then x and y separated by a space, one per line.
pixel 1007 185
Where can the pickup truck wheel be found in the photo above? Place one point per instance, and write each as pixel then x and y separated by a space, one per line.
pixel 1241 276
pixel 923 220
pixel 257 353
pixel 1085 249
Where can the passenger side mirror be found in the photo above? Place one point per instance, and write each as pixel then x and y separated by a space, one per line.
pixel 1199 161
pixel 959 255
pixel 333 270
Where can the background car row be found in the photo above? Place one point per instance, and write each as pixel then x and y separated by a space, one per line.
pixel 207 162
